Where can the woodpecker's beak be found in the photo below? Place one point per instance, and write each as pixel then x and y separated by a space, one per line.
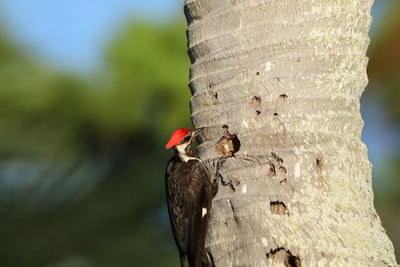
pixel 197 131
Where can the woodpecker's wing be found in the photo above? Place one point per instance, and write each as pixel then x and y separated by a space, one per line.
pixel 189 201
pixel 200 189
pixel 176 184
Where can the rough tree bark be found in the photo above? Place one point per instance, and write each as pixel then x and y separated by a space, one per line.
pixel 286 77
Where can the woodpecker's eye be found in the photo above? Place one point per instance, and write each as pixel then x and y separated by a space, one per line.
pixel 186 138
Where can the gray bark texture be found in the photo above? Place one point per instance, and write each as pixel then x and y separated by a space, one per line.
pixel 286 77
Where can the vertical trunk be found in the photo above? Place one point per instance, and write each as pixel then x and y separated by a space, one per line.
pixel 286 77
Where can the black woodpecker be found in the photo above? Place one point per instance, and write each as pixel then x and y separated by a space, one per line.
pixel 189 196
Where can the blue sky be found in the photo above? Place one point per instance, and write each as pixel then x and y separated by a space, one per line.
pixel 72 34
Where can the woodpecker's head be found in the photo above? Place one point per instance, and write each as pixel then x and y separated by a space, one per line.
pixel 182 137
pixel 180 141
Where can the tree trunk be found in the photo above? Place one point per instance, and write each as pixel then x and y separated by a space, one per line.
pixel 286 77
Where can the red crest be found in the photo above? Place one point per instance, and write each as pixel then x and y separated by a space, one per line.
pixel 177 137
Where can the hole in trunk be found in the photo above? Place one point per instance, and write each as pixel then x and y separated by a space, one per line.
pixel 318 162
pixel 283 96
pixel 255 101
pixel 271 170
pixel 228 144
pixel 282 171
pixel 281 256
pixel 277 207
pixel 292 261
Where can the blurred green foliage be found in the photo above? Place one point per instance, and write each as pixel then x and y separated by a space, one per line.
pixel 82 172
pixel 384 65
pixel 386 185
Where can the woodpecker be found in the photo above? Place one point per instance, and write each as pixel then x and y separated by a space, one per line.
pixel 189 195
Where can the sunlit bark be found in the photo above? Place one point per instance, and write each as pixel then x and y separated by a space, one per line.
pixel 286 77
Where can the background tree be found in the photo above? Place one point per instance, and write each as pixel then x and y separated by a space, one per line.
pixel 286 77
